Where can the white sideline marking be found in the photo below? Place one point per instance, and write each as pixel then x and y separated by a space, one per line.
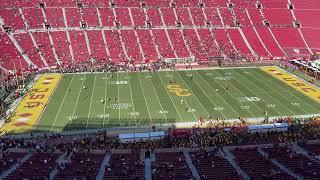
pixel 105 99
pixel 233 95
pixel 219 96
pixel 55 119
pixel 195 96
pixel 134 114
pixel 159 101
pixel 145 100
pixel 170 97
pixel 75 107
pixel 184 97
pixel 94 84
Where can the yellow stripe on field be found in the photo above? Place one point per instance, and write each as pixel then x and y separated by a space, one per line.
pixel 28 112
pixel 308 90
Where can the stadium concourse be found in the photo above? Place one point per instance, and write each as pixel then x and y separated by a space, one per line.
pixel 73 72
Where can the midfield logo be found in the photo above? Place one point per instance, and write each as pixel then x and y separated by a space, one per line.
pixel 178 90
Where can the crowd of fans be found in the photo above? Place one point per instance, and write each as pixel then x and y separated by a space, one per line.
pixel 80 150
pixel 298 131
pixel 111 67
pixel 9 84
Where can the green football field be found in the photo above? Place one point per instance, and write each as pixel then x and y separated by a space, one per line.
pixel 100 100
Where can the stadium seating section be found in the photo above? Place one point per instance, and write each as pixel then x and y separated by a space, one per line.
pixel 296 162
pixel 38 166
pixel 237 162
pixel 42 34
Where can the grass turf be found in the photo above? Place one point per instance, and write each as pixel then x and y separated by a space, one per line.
pixel 149 98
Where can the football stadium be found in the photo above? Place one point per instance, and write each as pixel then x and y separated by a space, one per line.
pixel 159 89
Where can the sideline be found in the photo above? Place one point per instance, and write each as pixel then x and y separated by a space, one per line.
pixel 293 81
pixel 114 132
pixel 169 70
pixel 29 110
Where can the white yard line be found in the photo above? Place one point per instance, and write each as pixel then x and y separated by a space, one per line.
pixel 94 85
pixel 134 111
pixel 159 101
pixel 289 94
pixel 170 97
pixel 273 97
pixel 299 78
pixel 265 92
pixel 243 94
pixel 75 107
pixel 34 127
pixel 219 97
pixel 233 95
pixel 119 101
pixel 194 94
pixel 64 97
pixel 105 103
pixel 145 99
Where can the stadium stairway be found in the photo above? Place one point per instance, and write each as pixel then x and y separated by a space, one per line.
pixel 53 173
pixel 62 158
pixel 153 156
pixel 147 168
pixel 193 170
pixel 246 41
pixel 226 153
pixel 20 50
pixel 229 156
pixel 300 31
pixel 304 152
pixel 87 43
pixel 257 34
pixel 15 166
pixel 104 163
pixel 276 163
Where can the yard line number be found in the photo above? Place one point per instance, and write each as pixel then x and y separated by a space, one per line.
pixel 71 118
pixel 218 108
pixel 134 113
pixel 295 104
pixel 163 112
pixel 102 116
pixel 223 78
pixel 117 106
pixel 119 82
pixel 271 105
pixel 249 99
pixel 245 107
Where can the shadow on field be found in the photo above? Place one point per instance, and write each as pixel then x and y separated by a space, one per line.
pixel 98 123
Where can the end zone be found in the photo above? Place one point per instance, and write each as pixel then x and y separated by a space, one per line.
pixel 287 78
pixel 29 111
